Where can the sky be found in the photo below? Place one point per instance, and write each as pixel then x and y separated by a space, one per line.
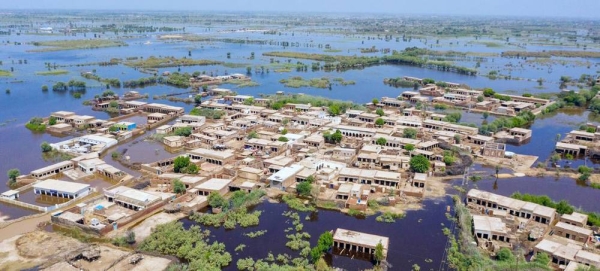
pixel 535 8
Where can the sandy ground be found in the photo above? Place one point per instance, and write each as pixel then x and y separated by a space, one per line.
pixel 50 249
pixel 144 229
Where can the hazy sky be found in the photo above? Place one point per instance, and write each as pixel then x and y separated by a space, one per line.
pixel 546 8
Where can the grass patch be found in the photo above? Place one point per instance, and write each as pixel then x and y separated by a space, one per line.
pixel 4 73
pixel 60 45
pixel 52 72
pixel 332 50
pixel 298 82
pixel 255 234
pixel 388 217
pixel 242 83
pixel 297 204
pixel 595 185
pixel 328 205
pixel 162 62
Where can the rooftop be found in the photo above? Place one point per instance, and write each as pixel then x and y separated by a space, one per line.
pixel 62 186
pixel 214 184
pixel 354 237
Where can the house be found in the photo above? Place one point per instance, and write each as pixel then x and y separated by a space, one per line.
pixel 518 208
pixel 61 189
pixel 572 232
pixel 174 141
pixel 212 156
pixel 285 177
pixel 359 242
pixel 576 219
pixel 492 149
pixel 220 186
pixel 490 228
pixel 131 198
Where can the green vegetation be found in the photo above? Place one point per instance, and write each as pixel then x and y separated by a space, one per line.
pixel 255 234
pixel 379 122
pixel 183 131
pixel 388 217
pixel 52 72
pixel 412 56
pixel 45 147
pixel 381 141
pixel 409 133
pixel 4 73
pixel 419 164
pixel 521 120
pixel 298 82
pixel 552 53
pixel 163 62
pixel 297 204
pixel 464 254
pixel 336 107
pixel 333 138
pixel 113 82
pixel 182 164
pixel 283 139
pixel 178 186
pixel 453 117
pixel 190 245
pixel 12 176
pixel 60 45
pixel 234 211
pixel 324 243
pixel 400 82
pixel 208 113
pixel 36 125
pixel 304 189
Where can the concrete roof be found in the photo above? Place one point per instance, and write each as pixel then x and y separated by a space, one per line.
pixel 573 228
pixel 214 184
pixel 286 173
pixel 134 194
pixel 61 186
pixel 489 224
pixel 355 237
pixel 71 216
pixel 51 167
pixel 575 216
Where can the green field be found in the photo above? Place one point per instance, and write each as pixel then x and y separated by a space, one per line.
pixel 52 72
pixel 61 45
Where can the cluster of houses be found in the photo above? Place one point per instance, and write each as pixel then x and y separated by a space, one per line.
pixel 452 94
pixel 581 143
pixel 500 221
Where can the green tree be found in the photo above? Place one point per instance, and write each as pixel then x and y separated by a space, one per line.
pixel 284 131
pixel 325 241
pixel 215 200
pixel 249 101
pixel 334 110
pixel 409 133
pixel 419 164
pixel 283 139
pixel 198 99
pixel 457 138
pixel 542 258
pixel 381 141
pixel 44 88
pixel 46 147
pixel 304 189
pixel 310 179
pixel 183 131
pixel 180 163
pixel 409 147
pixel 480 98
pixel 375 101
pixel 378 253
pixel 379 122
pixel 488 92
pixel 379 112
pixel 13 174
pixel 486 115
pixel 178 186
pixel 130 237
pixel 52 120
pixel 192 169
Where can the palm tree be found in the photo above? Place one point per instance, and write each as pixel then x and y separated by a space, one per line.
pixel 497 170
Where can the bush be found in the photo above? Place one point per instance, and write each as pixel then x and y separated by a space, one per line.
pixel 409 133
pixel 178 186
pixel 46 147
pixel 183 131
pixel 381 141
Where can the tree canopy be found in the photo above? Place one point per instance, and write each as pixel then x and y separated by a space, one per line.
pixel 419 164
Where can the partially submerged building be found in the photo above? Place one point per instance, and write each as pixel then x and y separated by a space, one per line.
pixel 359 241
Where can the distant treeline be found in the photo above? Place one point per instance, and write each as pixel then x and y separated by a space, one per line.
pixel 410 56
pixel 551 53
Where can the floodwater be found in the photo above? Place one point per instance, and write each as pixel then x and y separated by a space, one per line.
pixel 416 238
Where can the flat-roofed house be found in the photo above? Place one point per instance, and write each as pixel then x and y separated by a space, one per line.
pixel 52 170
pixel 572 232
pixel 576 219
pixel 285 177
pixel 212 156
pixel 61 189
pixel 131 198
pixel 490 228
pixel 173 141
pixel 527 210
pixel 359 242
pixel 62 116
pixel 216 185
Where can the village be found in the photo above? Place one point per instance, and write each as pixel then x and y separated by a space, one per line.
pixel 395 151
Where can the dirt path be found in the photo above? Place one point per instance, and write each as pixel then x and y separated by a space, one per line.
pixel 23 226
